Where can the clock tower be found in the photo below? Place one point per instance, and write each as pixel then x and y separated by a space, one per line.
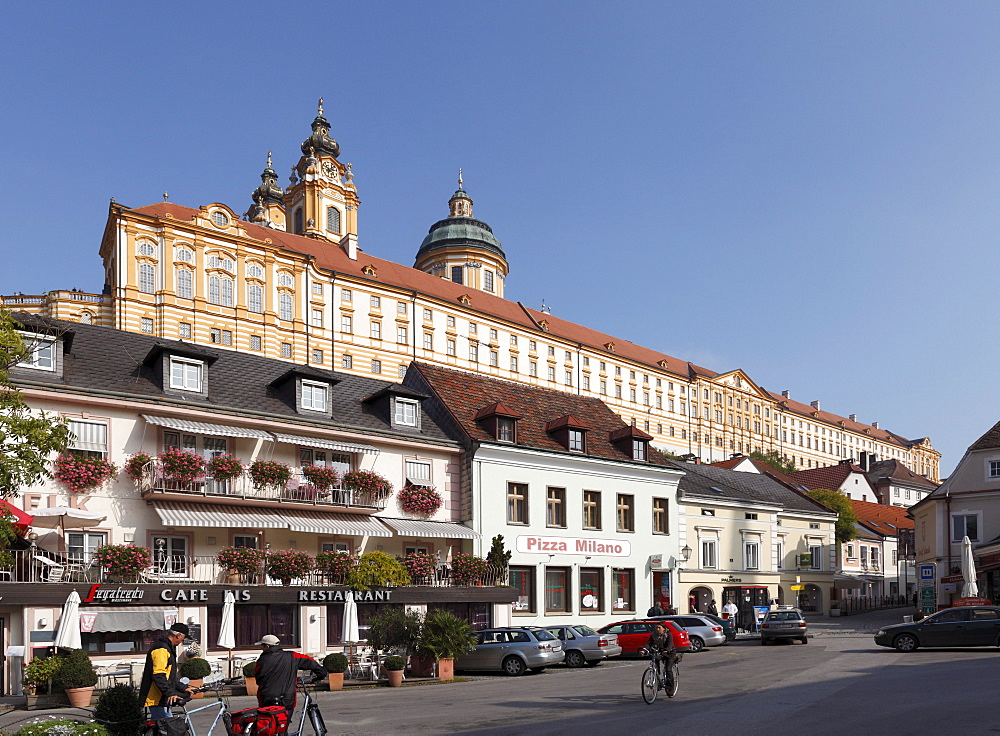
pixel 321 200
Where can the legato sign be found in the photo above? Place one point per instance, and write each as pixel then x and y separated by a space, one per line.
pixel 573 546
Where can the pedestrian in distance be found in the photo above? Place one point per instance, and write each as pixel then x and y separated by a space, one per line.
pixel 654 610
pixel 160 686
pixel 713 610
pixel 276 673
pixel 730 611
pixel 693 603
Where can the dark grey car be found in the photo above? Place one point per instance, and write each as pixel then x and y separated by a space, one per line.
pixel 784 624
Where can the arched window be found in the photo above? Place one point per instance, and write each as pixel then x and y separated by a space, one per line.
pixel 86 318
pixel 298 220
pixel 255 271
pixel 285 279
pixel 183 254
pixel 285 306
pixel 333 219
pixel 185 286
pixel 146 249
pixel 147 278
pixel 255 298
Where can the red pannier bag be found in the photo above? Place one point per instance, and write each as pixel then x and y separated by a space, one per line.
pixel 270 720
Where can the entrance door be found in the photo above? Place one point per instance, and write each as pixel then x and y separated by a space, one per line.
pixel 745 600
pixel 661 589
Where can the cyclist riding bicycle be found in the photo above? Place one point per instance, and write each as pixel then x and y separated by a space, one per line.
pixel 662 641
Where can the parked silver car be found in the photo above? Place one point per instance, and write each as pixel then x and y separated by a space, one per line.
pixel 704 632
pixel 583 645
pixel 784 624
pixel 513 651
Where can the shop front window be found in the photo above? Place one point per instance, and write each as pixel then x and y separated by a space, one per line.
pixel 522 580
pixel 623 592
pixel 557 589
pixel 591 589
pixel 256 620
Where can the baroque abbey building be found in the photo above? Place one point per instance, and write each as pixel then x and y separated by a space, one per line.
pixel 287 279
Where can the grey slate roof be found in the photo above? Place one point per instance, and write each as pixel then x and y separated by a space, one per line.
pixel 720 483
pixel 104 359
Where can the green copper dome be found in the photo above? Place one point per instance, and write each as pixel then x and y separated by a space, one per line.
pixel 461 231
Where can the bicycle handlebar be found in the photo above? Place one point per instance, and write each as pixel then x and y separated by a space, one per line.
pixel 216 685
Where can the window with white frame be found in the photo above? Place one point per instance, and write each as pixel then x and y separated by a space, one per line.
pixel 285 308
pixel 751 554
pixel 779 554
pixel 428 341
pixel 346 324
pixel 147 278
pixel 406 412
pixel 185 374
pixel 88 439
pixel 185 283
pixel 965 525
pixel 709 554
pixel 184 329
pixel 815 552
pixel 80 546
pixel 994 470
pixel 418 470
pixel 376 330
pixel 314 395
pixel 255 298
pixel 317 317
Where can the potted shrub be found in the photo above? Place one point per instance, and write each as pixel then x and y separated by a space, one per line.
pixel 394 628
pixel 468 569
pixel 82 474
pixel 288 564
pixel 394 667
pixel 138 465
pixel 76 675
pixel 335 565
pixel 443 637
pixel 196 670
pixel 379 569
pixel 242 563
pixel 38 672
pixel 225 467
pixel 419 500
pixel 180 466
pixel 321 477
pixel 270 474
pixel 369 487
pixel 120 711
pixel 834 608
pixel 248 675
pixel 421 566
pixel 336 665
pixel 122 561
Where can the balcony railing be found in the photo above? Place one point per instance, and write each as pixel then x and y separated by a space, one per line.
pixel 297 491
pixel 43 566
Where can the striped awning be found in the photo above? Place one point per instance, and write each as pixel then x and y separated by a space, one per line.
pixel 345 524
pixel 324 444
pixel 217 516
pixel 430 529
pixel 221 430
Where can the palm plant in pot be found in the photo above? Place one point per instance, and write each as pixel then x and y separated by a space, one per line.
pixel 336 664
pixel 443 637
pixel 394 667
pixel 77 677
pixel 196 670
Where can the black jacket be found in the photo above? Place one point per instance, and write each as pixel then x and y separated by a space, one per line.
pixel 166 684
pixel 276 671
pixel 662 643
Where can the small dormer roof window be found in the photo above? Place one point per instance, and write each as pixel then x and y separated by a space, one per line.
pixel 632 441
pixel 570 432
pixel 41 352
pixel 406 412
pixel 500 421
pixel 314 395
pixel 186 374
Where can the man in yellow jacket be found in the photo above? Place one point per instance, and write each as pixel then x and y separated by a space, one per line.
pixel 160 686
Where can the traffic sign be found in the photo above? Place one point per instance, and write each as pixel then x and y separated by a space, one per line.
pixel 927 571
pixel 798 587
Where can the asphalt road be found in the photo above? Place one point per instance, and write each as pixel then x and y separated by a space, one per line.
pixel 840 683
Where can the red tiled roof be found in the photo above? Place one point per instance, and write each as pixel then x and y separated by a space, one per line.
pixel 896 470
pixel 463 394
pixel 831 477
pixel 496 409
pixel 883 519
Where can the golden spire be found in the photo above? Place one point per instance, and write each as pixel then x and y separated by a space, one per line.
pixel 320 106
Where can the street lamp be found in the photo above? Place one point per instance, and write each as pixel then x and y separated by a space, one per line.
pixel 685 553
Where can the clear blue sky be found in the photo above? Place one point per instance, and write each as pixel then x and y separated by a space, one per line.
pixel 804 190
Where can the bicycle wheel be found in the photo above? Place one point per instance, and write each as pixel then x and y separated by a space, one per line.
pixel 673 681
pixel 650 684
pixel 227 721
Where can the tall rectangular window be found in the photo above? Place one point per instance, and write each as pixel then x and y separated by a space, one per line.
pixel 506 428
pixel 185 284
pixel 751 555
pixel 285 310
pixel 709 554
pixel 661 519
pixel 146 325
pixel 575 439
pixel 779 554
pixel 346 295
pixel 456 274
pixel 626 513
pixel 428 341
pixel 591 509
pixel 376 302
pixel 147 278
pixel 346 324
pixel 522 580
pixel 402 336
pixel 815 552
pixel 555 515
pixel 376 330
pixel 255 298
pixel 557 589
pixel 286 350
pixel 623 589
pixel 449 348
pixel 517 503
pixel 591 589
pixel 428 315
pixel 513 364
pixel 488 280
pixel 228 293
pixel 474 353
pixel 317 318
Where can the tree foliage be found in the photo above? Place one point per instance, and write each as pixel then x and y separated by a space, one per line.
pixel 846 518
pixel 776 460
pixel 26 439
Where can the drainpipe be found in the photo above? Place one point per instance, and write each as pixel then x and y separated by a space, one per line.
pixel 947 521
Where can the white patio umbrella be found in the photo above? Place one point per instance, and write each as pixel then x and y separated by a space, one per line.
pixel 350 631
pixel 227 629
pixel 969 588
pixel 68 635
pixel 63 518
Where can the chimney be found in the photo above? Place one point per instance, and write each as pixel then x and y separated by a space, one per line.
pixel 863 461
pixel 349 244
pixel 786 393
pixel 875 425
pixel 853 417
pixel 815 405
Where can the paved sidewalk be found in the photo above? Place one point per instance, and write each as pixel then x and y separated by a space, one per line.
pixel 859 623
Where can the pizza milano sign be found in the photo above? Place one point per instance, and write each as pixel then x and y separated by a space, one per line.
pixel 573 546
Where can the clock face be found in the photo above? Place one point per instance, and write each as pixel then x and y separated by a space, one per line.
pixel 329 169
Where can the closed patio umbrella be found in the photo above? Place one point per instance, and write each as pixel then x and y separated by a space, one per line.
pixel 227 628
pixel 350 631
pixel 969 588
pixel 68 635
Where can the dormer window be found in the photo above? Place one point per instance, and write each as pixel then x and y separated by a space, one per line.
pixel 633 442
pixel 499 421
pixel 314 395
pixel 406 412
pixel 186 374
pixel 506 427
pixel 576 440
pixel 41 355
pixel 639 449
pixel 569 432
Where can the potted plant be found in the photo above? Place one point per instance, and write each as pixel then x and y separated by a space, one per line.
pixel 82 474
pixel 419 500
pixel 138 465
pixel 336 665
pixel 468 569
pixel 38 672
pixel 321 477
pixel 180 466
pixel 242 563
pixel 225 467
pixel 379 569
pixel 834 608
pixel 76 675
pixel 335 565
pixel 248 675
pixel 394 667
pixel 270 474
pixel 288 564
pixel 120 711
pixel 421 566
pixel 196 670
pixel 443 637
pixel 368 486
pixel 122 561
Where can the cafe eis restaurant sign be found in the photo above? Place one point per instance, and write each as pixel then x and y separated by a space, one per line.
pixel 531 544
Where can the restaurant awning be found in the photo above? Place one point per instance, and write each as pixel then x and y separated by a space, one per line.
pixel 346 524
pixel 136 618
pixel 21 519
pixel 220 430
pixel 324 444
pixel 174 513
pixel 430 529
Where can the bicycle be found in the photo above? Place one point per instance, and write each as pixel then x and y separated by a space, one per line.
pixel 273 719
pixel 212 682
pixel 652 682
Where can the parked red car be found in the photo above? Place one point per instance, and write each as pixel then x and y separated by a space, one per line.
pixel 633 635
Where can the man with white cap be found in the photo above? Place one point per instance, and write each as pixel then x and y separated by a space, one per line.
pixel 276 671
